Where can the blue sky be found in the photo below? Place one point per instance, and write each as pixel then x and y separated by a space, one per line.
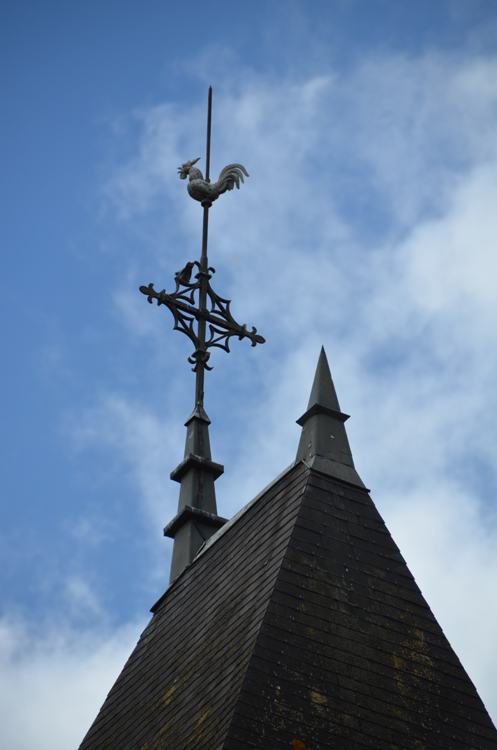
pixel 368 225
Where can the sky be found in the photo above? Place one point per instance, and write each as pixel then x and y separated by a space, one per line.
pixel 367 225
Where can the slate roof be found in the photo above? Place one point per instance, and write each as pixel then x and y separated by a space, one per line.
pixel 298 622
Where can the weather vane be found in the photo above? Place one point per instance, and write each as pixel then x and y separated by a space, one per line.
pixel 197 517
pixel 181 302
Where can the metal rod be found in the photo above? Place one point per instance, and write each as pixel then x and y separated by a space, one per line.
pixel 208 153
pixel 202 304
pixel 204 273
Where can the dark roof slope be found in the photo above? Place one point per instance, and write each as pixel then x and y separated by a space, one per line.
pixel 300 622
pixel 180 685
pixel 349 654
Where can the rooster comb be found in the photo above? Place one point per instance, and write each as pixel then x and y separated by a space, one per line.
pixel 186 166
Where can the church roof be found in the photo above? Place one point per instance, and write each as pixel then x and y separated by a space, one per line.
pixel 298 624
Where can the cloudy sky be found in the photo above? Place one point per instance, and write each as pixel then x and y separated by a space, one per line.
pixel 368 224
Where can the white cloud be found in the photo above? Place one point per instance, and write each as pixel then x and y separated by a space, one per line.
pixel 81 598
pixel 53 681
pixel 135 433
pixel 452 263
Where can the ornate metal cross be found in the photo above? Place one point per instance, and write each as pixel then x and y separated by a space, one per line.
pixel 197 517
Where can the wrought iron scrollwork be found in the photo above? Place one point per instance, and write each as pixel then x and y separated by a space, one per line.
pixel 181 302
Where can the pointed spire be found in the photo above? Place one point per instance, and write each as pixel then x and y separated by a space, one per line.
pixel 323 391
pixel 324 444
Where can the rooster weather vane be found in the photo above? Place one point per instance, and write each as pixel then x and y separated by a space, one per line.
pixel 212 310
pixel 207 324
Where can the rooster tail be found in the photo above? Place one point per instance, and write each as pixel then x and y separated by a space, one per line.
pixel 231 176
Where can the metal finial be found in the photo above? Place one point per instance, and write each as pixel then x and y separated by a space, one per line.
pixel 197 513
pixel 212 310
pixel 208 148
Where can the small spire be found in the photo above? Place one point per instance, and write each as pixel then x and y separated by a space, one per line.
pixel 323 391
pixel 324 444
